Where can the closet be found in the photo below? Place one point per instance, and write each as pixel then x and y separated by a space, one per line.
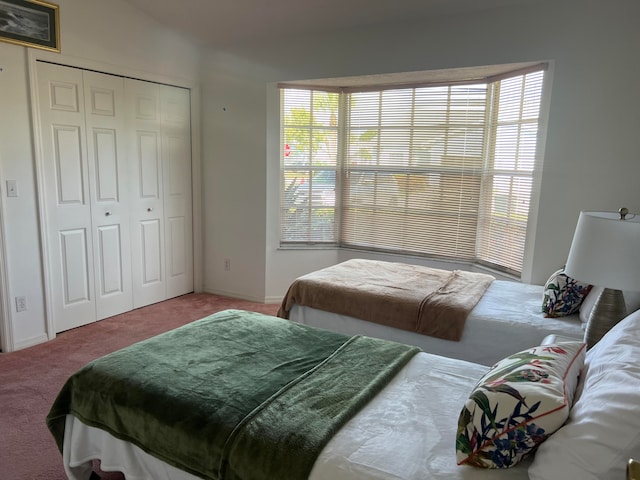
pixel 116 206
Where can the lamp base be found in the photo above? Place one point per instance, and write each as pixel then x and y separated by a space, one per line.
pixel 608 310
pixel 633 470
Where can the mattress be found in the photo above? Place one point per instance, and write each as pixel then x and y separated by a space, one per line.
pixel 507 319
pixel 406 432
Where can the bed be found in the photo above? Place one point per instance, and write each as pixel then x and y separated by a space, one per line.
pixel 406 430
pixel 506 318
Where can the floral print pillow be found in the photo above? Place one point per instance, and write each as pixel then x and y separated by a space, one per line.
pixel 563 295
pixel 517 404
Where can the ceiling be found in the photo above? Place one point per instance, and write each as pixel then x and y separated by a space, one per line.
pixel 224 23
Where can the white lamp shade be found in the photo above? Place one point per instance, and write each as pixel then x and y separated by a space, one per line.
pixel 606 251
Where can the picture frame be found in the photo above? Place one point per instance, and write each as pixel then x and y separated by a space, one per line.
pixel 31 23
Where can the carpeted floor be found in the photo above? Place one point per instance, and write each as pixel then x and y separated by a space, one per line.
pixel 31 378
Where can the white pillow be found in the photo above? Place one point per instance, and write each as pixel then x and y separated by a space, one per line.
pixel 603 429
pixel 631 299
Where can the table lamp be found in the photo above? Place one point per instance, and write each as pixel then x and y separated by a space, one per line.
pixel 605 252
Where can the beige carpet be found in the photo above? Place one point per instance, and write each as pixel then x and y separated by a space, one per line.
pixel 30 379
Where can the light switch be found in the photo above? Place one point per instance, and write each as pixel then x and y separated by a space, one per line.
pixel 12 188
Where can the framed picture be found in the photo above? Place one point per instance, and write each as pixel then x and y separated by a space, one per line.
pixel 32 23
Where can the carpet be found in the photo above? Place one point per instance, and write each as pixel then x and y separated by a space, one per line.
pixel 30 379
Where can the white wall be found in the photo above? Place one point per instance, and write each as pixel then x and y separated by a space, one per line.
pixel 591 158
pixel 94 33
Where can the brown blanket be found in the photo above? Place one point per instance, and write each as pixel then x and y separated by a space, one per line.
pixel 421 299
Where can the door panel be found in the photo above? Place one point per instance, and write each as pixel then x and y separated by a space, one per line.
pixel 149 165
pixel 151 247
pixel 147 211
pixel 66 202
pixel 63 95
pixel 106 162
pixel 176 144
pixel 111 273
pixel 76 268
pixel 179 265
pixel 68 164
pixel 109 186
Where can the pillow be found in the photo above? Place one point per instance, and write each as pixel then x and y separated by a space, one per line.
pixel 563 295
pixel 603 430
pixel 518 404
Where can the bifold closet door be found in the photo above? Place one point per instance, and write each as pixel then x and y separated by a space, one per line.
pixel 84 176
pixel 109 187
pixel 175 108
pixel 161 210
pixel 147 210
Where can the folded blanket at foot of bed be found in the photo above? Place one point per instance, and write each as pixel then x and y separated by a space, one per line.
pixel 237 395
pixel 421 299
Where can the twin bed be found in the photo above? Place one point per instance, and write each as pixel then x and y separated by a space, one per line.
pixel 503 318
pixel 240 395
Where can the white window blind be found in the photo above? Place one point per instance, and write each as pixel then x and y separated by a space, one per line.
pixel 444 171
pixel 511 162
pixel 413 170
pixel 309 142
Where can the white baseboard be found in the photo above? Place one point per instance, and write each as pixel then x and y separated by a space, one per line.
pixel 30 342
pixel 241 296
pixel 273 300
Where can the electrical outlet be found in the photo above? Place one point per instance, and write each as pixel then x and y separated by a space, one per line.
pixel 12 188
pixel 21 304
pixel 227 264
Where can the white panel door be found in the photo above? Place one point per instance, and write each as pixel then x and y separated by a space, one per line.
pixel 146 207
pixel 67 197
pixel 116 174
pixel 109 187
pixel 176 155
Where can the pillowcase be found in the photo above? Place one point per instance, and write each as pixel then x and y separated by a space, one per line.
pixel 520 402
pixel 563 295
pixel 603 430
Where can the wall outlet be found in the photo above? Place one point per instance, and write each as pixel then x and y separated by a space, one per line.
pixel 21 304
pixel 227 264
pixel 12 188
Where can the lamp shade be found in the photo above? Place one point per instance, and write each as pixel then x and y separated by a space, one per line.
pixel 606 251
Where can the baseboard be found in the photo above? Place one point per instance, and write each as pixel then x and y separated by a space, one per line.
pixel 241 296
pixel 273 299
pixel 30 342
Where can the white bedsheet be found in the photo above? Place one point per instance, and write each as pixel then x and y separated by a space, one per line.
pixel 507 319
pixel 406 432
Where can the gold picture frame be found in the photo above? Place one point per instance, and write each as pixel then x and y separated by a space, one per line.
pixel 31 23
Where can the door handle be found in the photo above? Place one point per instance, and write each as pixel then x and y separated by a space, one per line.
pixel 149 209
pixel 107 213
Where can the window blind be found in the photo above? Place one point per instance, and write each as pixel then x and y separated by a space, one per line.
pixel 511 162
pixel 413 170
pixel 438 170
pixel 309 139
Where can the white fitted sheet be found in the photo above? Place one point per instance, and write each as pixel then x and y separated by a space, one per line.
pixel 406 432
pixel 507 319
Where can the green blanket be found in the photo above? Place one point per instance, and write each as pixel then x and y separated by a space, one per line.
pixel 237 395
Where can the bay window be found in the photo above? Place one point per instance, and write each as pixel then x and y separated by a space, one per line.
pixel 441 170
